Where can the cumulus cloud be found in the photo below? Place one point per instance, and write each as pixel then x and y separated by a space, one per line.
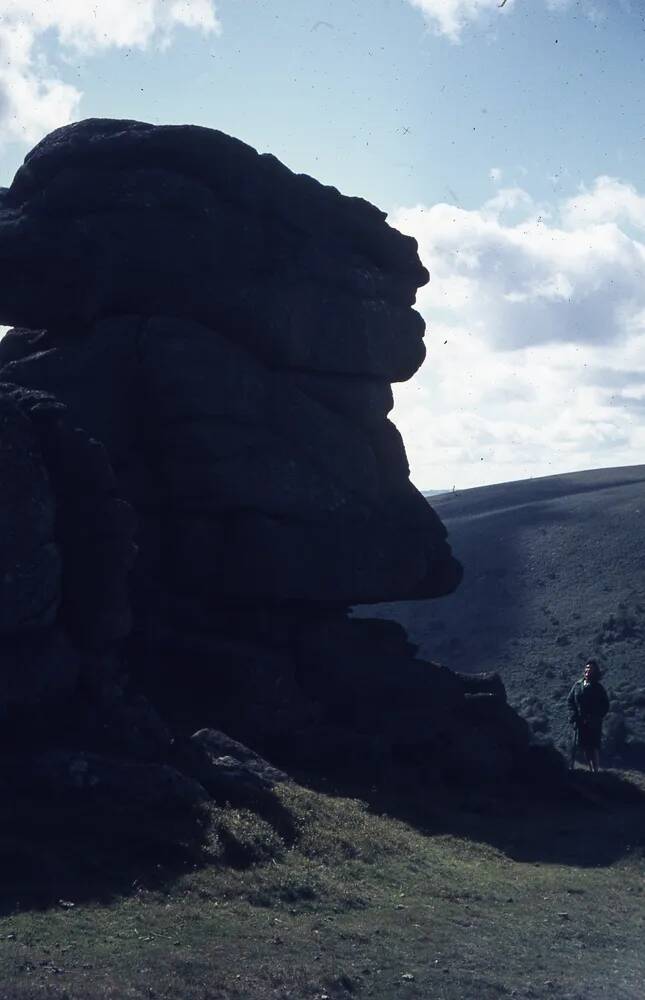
pixel 536 337
pixel 608 200
pixel 451 17
pixel 33 98
pixel 521 274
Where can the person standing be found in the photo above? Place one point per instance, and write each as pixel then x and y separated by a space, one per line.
pixel 588 705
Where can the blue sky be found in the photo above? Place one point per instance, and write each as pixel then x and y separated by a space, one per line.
pixel 509 140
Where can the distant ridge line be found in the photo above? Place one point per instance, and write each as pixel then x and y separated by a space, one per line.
pixel 608 470
pixel 500 496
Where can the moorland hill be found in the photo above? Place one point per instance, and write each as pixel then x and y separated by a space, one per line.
pixel 554 576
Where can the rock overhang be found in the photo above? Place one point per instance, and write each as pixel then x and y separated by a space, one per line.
pixel 176 265
pixel 214 232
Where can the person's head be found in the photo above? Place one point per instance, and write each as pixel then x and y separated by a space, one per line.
pixel 592 671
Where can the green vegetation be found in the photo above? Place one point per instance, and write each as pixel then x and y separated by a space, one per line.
pixel 553 577
pixel 476 898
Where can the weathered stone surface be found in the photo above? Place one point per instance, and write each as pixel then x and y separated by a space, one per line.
pixel 209 340
pixel 487 683
pixel 65 554
pixel 218 745
pixel 229 331
pixel 404 710
pixel 39 670
pixel 230 771
pixel 272 496
pixel 30 562
pixel 230 167
pixel 92 531
pixel 148 786
pixel 125 217
pixel 348 698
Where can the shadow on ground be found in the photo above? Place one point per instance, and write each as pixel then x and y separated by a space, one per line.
pixel 589 821
pixel 61 850
pixel 57 851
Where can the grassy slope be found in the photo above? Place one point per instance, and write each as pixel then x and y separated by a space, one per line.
pixel 476 899
pixel 554 574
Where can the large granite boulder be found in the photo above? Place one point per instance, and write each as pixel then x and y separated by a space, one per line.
pixel 70 718
pixel 66 550
pixel 30 562
pixel 66 545
pixel 117 217
pixel 229 331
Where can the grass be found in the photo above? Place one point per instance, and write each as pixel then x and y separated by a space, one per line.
pixel 469 898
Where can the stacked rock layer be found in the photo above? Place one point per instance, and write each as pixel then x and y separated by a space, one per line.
pixel 229 332
pixel 65 555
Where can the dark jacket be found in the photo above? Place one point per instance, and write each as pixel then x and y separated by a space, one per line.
pixel 587 703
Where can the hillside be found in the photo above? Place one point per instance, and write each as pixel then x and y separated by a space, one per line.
pixel 553 575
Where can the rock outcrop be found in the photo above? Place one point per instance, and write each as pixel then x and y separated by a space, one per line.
pixel 65 557
pixel 229 332
pixel 66 550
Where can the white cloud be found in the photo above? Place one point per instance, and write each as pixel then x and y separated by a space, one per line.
pixel 104 23
pixel 33 99
pixel 194 14
pixel 609 200
pixel 508 199
pixel 450 17
pixel 535 279
pixel 536 339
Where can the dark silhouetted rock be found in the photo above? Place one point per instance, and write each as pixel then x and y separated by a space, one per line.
pixel 39 671
pixel 148 786
pixel 487 683
pixel 218 746
pixel 65 556
pixel 30 560
pixel 230 771
pixel 207 341
pixel 123 217
pixel 228 330
pixel 68 538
